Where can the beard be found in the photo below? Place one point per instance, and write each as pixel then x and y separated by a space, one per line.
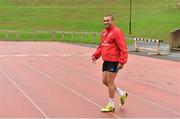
pixel 107 25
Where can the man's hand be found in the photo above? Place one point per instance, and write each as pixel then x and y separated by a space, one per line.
pixel 93 60
pixel 120 66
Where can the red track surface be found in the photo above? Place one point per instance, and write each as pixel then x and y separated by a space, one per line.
pixel 56 80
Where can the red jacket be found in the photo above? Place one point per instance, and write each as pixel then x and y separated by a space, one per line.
pixel 112 46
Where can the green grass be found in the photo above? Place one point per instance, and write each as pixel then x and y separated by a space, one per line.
pixel 150 18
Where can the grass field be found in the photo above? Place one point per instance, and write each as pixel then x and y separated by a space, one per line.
pixel 150 18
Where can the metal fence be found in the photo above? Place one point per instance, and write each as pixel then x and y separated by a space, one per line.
pixel 82 37
pixel 78 37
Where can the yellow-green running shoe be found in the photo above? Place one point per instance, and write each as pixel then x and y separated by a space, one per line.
pixel 108 108
pixel 123 98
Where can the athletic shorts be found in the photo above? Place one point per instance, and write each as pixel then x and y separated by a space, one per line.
pixel 110 66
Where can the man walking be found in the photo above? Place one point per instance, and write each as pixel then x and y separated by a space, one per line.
pixel 113 50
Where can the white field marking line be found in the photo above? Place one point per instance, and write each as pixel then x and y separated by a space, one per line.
pixel 24 93
pixel 86 55
pixel 39 55
pixel 44 55
pixel 65 55
pixel 98 118
pixel 17 55
pixel 66 87
pixel 47 55
pixel 2 56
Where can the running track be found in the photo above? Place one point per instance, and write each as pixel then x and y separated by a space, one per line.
pixel 57 80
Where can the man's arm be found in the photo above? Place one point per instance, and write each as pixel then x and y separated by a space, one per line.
pixel 121 43
pixel 97 54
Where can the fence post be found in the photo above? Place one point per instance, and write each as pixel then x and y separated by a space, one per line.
pixel 17 36
pixel 7 35
pixel 53 35
pixel 94 37
pixel 72 36
pixel 62 36
pixel 82 37
pixel 36 36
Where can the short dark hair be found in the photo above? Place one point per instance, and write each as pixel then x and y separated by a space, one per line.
pixel 109 15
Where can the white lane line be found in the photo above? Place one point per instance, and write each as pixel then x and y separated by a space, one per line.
pixel 24 93
pixel 143 82
pixel 86 55
pixel 66 87
pixel 45 55
pixel 3 56
pixel 36 55
pixel 63 55
pixel 155 104
pixel 16 55
pixel 140 98
pixel 160 87
pixel 137 97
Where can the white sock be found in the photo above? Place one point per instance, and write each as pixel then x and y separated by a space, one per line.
pixel 111 101
pixel 119 92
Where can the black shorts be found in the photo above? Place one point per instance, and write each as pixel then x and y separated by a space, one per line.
pixel 110 66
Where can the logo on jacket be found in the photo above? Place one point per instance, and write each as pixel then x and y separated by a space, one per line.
pixel 106 44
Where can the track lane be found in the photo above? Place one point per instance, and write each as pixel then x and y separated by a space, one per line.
pixel 135 68
pixel 158 107
pixel 55 100
pixel 155 94
pixel 13 103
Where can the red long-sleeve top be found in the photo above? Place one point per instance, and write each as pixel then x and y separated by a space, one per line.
pixel 112 46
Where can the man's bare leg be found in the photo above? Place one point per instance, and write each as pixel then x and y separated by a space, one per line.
pixel 111 86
